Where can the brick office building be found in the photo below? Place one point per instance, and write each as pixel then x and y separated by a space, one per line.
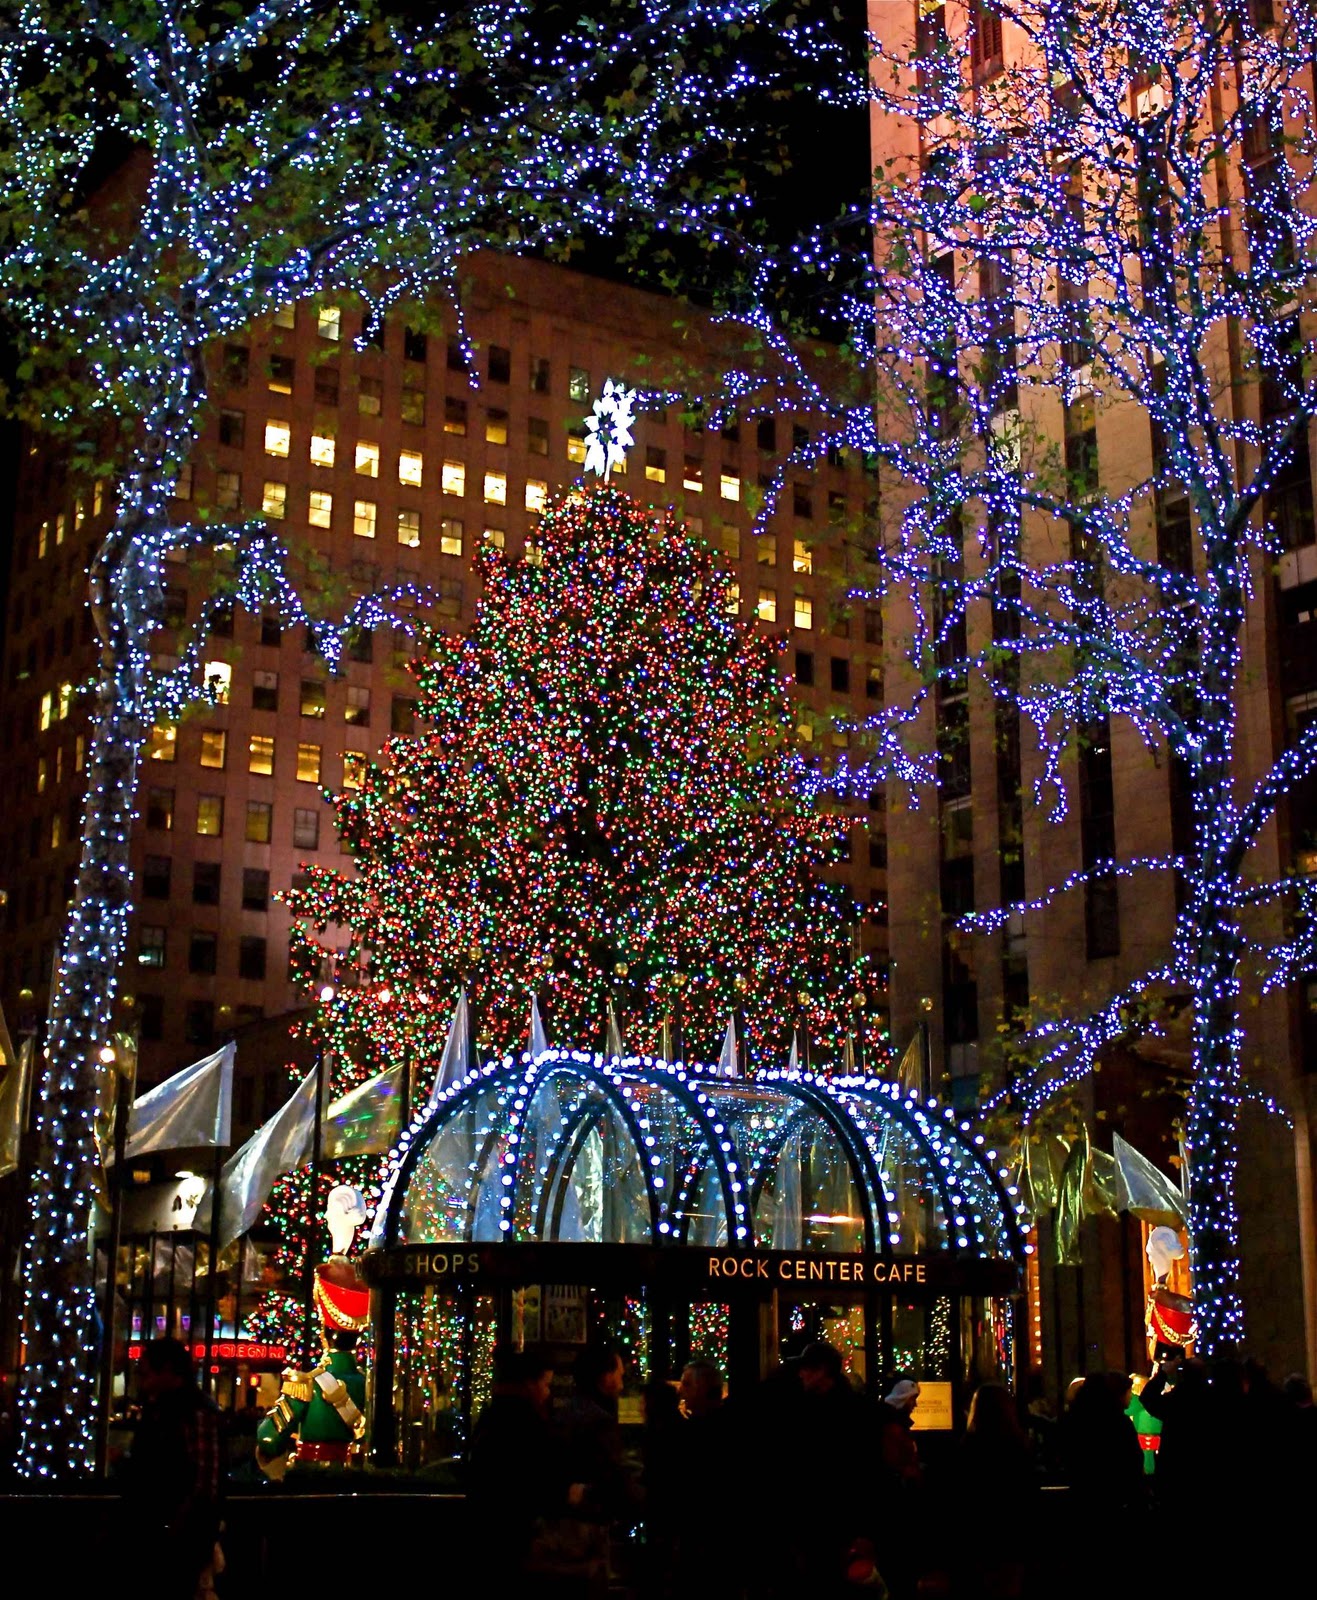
pixel 389 466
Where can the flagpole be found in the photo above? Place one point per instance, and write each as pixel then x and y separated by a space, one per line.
pixel 308 1303
pixel 212 1275
pixel 115 1181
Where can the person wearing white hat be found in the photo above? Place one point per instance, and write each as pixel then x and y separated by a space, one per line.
pixel 904 1395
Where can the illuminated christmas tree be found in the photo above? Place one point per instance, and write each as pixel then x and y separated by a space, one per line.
pixel 606 803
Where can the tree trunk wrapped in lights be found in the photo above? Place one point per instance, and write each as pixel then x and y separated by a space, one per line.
pixel 604 802
pixel 284 150
pixel 1104 209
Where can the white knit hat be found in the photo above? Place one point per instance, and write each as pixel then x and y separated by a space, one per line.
pixel 904 1390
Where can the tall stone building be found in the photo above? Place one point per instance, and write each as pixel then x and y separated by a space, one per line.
pixel 984 843
pixel 386 466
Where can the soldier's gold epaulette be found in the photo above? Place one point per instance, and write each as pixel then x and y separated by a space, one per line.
pixel 296 1385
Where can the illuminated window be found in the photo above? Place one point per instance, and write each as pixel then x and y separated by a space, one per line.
pixel 410 465
pixel 692 476
pixel 228 490
pixel 312 701
pixel 329 323
pixel 260 822
pixel 496 537
pixel 370 397
pixel 412 405
pixel 409 528
pixel 278 438
pixel 210 815
pixel 767 608
pixel 183 483
pixel 286 317
pixel 766 550
pixel 804 611
pixel 363 518
pixel 356 712
pixel 578 383
pixel 41 774
pixel 61 528
pixel 64 699
pixel 47 714
pixel 274 500
pixel 496 427
pixel 43 540
pixel 454 478
pixel 260 755
pixel 162 743
pixel 656 464
pixel 79 753
pixel 306 829
pixel 450 536
pixel 281 375
pixel 576 445
pixel 537 494
pixel 455 416
pixel 355 763
pixel 729 539
pixel 802 557
pixel 496 488
pixel 320 508
pixel 534 554
pixel 150 947
pixel 97 498
pixel 56 830
pixel 733 603
pixel 218 678
pixel 322 450
pixel 214 747
pixel 308 763
pixel 368 459
pixel 79 514
pixel 729 485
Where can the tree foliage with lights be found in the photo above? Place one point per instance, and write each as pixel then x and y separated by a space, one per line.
pixel 170 173
pixel 1104 222
pixel 605 802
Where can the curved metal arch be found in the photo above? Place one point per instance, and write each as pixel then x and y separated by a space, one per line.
pixel 568 1145
pixel 422 1141
pixel 602 1081
pixel 901 1113
pixel 682 1092
pixel 843 1125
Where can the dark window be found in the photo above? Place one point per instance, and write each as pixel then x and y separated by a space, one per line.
pixel 873 682
pixel 455 358
pixel 160 809
pixel 414 344
pixel 306 828
pixel 370 397
pixel 413 405
pixel 455 413
pixel 539 374
pixel 537 436
pixel 873 625
pixel 802 502
pixel 199 1021
pixel 150 945
pixel 361 644
pixel 799 437
pixel 155 877
pixel 312 698
pixel 206 884
pixel 841 675
pixel 878 852
pixel 201 952
pixel 500 364
pixel 326 386
pixel 255 889
pixel 986 47
pixel 251 957
pixel 235 364
pixel 265 690
pixel 402 717
pixel 232 428
pixel 271 631
pixel 373 332
pixel 175 606
pixel 151 1014
pixel 766 435
pixel 281 374
pixel 221 623
pixel 805 667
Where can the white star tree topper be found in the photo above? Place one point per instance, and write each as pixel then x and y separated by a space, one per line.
pixel 610 428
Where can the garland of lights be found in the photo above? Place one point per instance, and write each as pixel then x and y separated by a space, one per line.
pixel 295 150
pixel 1091 152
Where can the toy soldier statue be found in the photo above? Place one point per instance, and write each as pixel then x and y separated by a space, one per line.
pixel 320 1414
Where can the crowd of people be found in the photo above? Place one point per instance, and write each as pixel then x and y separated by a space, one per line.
pixel 806 1488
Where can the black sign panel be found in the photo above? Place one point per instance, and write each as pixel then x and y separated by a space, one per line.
pixel 719 1273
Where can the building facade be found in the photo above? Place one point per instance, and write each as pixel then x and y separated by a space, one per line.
pixel 986 843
